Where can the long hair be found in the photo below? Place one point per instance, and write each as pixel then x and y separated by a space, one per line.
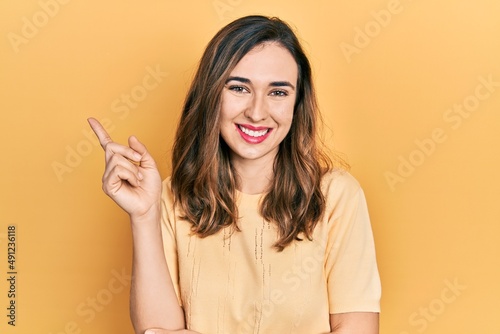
pixel 204 181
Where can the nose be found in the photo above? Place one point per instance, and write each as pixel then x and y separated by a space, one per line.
pixel 257 109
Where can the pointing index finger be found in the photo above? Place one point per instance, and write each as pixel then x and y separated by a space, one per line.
pixel 100 132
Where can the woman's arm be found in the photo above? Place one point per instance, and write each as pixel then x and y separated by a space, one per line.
pixel 354 323
pixel 132 180
pixel 353 279
pixel 153 302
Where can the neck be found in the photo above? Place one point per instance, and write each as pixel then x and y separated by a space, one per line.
pixel 254 176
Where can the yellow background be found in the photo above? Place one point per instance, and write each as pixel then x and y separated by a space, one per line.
pixel 435 226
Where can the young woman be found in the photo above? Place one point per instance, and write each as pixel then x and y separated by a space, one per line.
pixel 254 232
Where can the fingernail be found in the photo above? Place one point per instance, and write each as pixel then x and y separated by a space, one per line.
pixel 140 176
pixel 137 156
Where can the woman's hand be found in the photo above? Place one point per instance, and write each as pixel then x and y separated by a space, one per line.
pixel 131 177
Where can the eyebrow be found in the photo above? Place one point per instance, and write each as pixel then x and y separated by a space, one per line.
pixel 272 84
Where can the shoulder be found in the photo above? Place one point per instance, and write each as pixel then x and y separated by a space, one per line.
pixel 339 183
pixel 167 195
pixel 342 192
pixel 166 187
pixel 170 209
pixel 167 183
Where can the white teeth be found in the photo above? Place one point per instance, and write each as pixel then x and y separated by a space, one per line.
pixel 253 133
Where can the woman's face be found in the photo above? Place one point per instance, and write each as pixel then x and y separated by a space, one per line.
pixel 257 103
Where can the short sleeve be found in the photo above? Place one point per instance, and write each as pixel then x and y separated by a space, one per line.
pixel 168 234
pixel 353 280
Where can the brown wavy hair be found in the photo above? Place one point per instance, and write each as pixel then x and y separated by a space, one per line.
pixel 204 181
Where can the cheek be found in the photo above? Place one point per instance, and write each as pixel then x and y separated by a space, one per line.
pixel 285 114
pixel 227 118
pixel 231 106
pixel 224 109
pixel 226 127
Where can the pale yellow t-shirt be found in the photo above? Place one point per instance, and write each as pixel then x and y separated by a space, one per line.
pixel 239 284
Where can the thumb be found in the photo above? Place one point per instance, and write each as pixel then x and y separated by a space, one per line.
pixel 146 162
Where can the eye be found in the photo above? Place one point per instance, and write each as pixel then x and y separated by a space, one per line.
pixel 237 89
pixel 279 92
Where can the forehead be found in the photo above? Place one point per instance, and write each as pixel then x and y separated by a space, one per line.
pixel 267 62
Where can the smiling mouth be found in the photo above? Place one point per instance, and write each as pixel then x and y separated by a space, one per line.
pixel 253 133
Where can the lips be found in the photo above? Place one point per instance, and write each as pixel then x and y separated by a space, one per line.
pixel 252 134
